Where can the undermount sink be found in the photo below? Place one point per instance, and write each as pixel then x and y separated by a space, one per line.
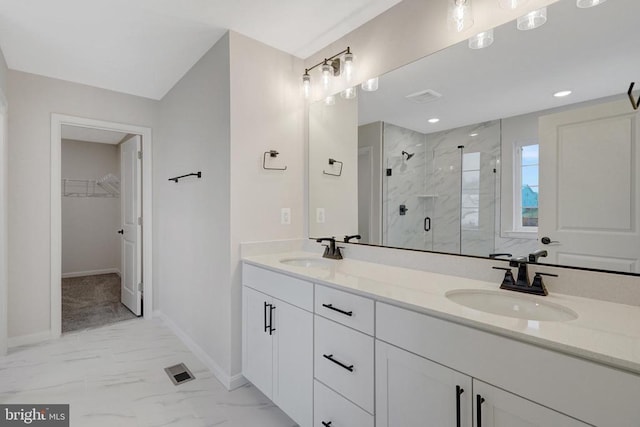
pixel 306 262
pixel 505 304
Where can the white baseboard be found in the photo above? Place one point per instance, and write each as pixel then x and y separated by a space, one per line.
pixel 21 340
pixel 90 273
pixel 230 382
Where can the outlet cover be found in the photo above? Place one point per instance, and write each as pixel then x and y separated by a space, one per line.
pixel 285 216
pixel 320 215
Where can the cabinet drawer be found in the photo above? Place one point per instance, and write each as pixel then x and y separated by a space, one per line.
pixel 349 309
pixel 330 407
pixel 288 289
pixel 343 360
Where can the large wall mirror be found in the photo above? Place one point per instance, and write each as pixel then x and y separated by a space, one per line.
pixel 528 145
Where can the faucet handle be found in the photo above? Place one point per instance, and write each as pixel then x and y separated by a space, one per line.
pixel 508 280
pixel 538 285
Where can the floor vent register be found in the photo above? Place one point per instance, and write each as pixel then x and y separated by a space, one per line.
pixel 179 374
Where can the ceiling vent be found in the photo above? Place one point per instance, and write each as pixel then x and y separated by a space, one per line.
pixel 424 96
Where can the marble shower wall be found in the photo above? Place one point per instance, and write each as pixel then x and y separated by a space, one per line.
pixel 458 189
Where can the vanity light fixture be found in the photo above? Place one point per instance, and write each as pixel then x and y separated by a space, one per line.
pixel 370 85
pixel 583 4
pixel 433 120
pixel 481 40
pixel 330 67
pixel 349 93
pixel 562 93
pixel 532 20
pixel 460 16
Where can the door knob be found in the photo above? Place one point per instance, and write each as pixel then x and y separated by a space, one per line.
pixel 546 240
pixel 121 231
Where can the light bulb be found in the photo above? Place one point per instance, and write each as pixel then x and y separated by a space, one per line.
pixel 481 40
pixel 511 4
pixel 583 4
pixel 348 66
pixel 460 16
pixel 306 85
pixel 349 93
pixel 330 100
pixel 532 20
pixel 370 85
pixel 327 71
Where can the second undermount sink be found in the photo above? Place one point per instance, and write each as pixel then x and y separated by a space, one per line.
pixel 505 304
pixel 306 262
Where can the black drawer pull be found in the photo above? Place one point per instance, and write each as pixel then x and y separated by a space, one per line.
pixel 331 307
pixel 479 402
pixel 271 328
pixel 266 327
pixel 330 357
pixel 327 424
pixel 459 391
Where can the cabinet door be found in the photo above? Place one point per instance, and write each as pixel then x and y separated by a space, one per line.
pixel 257 351
pixel 413 391
pixel 498 408
pixel 293 361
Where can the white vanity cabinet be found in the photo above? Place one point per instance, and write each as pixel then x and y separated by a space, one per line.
pixel 413 391
pixel 277 336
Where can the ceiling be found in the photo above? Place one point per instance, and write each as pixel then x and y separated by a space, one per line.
pixel 143 47
pixel 593 52
pixel 77 133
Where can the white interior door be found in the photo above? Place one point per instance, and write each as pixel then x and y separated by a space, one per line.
pixel 589 200
pixel 130 200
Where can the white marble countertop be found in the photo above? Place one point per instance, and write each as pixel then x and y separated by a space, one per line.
pixel 604 332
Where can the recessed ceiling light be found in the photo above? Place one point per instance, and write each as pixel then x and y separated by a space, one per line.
pixel 473 134
pixel 562 93
pixel 434 120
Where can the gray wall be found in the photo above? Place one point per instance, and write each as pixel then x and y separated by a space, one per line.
pixel 33 99
pixel 4 166
pixel 89 239
pixel 191 218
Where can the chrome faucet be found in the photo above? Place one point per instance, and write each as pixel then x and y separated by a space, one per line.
pixel 331 251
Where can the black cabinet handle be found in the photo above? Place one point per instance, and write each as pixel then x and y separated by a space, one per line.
pixel 331 307
pixel 327 424
pixel 121 231
pixel 459 391
pixel 271 328
pixel 330 357
pixel 265 316
pixel 427 220
pixel 479 402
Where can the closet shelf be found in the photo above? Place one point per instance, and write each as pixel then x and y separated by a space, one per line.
pixel 106 187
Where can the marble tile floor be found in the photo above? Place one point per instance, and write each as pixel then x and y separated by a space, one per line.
pixel 91 301
pixel 114 376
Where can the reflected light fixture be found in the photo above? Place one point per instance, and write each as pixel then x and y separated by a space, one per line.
pixel 460 16
pixel 330 67
pixel 330 100
pixel 370 85
pixel 481 40
pixel 434 120
pixel 511 4
pixel 562 93
pixel 349 93
pixel 532 20
pixel 583 4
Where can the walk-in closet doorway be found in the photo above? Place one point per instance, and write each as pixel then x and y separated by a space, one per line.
pixel 101 223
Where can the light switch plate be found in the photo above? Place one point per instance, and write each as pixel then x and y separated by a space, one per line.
pixel 320 215
pixel 285 216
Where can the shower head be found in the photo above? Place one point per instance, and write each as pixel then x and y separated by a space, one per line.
pixel 409 155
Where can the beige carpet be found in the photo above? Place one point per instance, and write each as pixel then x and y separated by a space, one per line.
pixel 92 301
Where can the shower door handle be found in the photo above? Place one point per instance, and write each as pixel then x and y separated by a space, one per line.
pixel 427 223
